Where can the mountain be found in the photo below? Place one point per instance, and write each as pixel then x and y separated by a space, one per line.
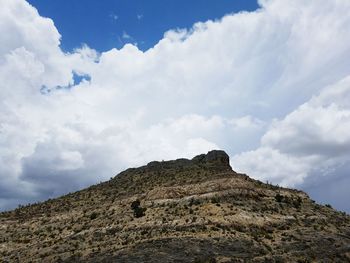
pixel 196 210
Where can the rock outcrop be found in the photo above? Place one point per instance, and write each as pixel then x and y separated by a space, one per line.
pixel 215 157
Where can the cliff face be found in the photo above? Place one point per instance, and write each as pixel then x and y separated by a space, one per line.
pixel 195 210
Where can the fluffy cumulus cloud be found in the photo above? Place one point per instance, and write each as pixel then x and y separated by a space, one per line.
pixel 309 148
pixel 270 87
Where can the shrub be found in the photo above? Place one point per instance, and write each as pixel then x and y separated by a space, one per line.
pixel 279 198
pixel 215 200
pixel 93 215
pixel 138 211
pixel 135 204
pixel 297 202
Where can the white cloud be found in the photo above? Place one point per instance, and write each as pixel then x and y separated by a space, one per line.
pixel 126 35
pixel 217 85
pixel 246 122
pixel 320 126
pixel 310 144
pixel 268 164
pixel 114 16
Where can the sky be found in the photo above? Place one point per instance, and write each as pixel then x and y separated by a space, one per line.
pixel 88 90
pixel 108 24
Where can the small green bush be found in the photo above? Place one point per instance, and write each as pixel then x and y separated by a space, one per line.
pixel 138 211
pixel 93 215
pixel 279 198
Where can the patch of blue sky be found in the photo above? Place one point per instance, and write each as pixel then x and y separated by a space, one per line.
pixel 104 25
pixel 77 79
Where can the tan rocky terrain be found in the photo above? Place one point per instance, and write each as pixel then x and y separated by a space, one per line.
pixel 195 210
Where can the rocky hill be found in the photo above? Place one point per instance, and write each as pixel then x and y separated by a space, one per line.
pixel 195 210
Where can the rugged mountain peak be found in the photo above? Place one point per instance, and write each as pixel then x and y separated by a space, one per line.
pixel 217 157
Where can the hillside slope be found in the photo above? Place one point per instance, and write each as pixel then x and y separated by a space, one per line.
pixel 195 210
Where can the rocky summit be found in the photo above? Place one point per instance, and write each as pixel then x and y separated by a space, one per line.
pixel 196 210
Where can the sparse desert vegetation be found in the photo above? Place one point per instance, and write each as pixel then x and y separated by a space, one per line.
pixel 195 210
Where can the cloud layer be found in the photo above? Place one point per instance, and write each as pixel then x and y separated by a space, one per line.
pixel 270 87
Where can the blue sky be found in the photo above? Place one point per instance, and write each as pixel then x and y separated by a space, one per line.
pixel 112 23
pixel 90 88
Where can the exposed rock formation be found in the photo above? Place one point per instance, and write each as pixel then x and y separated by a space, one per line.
pixel 218 158
pixel 195 210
